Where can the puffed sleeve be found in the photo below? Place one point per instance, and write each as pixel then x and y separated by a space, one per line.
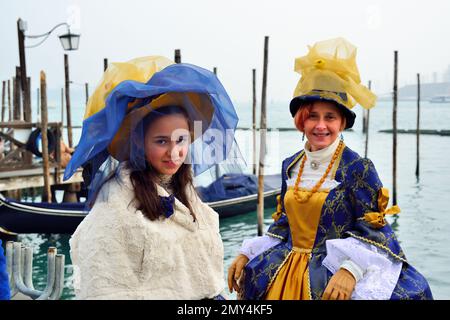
pixel 369 202
pixel 280 227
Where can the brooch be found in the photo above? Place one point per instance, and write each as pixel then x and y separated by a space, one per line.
pixel 315 165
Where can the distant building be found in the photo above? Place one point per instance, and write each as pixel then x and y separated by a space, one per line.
pixel 427 91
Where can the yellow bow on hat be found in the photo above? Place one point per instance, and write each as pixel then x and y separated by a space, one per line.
pixel 329 70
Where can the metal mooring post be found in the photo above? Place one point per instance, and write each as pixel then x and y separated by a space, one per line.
pixel 20 270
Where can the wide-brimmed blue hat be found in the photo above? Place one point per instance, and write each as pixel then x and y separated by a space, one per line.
pixel 100 129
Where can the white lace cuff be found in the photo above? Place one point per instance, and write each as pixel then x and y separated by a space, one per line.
pixel 255 246
pixel 353 268
pixel 380 271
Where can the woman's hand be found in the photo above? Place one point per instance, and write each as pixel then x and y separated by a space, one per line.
pixel 235 271
pixel 340 287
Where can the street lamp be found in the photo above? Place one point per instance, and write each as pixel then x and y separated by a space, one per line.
pixel 70 42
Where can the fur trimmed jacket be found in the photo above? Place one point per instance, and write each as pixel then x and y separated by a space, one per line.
pixel 117 253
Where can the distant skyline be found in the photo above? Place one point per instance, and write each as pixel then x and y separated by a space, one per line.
pixel 229 35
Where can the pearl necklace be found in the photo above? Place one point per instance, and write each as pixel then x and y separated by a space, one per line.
pixel 305 198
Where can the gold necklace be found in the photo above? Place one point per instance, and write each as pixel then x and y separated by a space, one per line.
pixel 305 198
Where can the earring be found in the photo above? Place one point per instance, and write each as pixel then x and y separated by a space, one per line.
pixel 342 137
pixel 303 137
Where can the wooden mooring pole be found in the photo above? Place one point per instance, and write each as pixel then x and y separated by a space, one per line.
pixel 262 148
pixel 3 100
pixel 394 133
pixel 418 127
pixel 217 165
pixel 367 126
pixel 46 195
pixel 69 118
pixel 177 56
pixel 27 112
pixel 10 116
pixel 86 89
pixel 38 106
pixel 16 95
pixel 62 107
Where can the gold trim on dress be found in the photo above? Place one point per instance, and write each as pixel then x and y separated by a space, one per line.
pixel 338 161
pixel 294 162
pixel 301 250
pixel 276 272
pixel 309 279
pixel 275 235
pixel 379 245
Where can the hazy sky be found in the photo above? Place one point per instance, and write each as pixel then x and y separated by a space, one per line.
pixel 229 35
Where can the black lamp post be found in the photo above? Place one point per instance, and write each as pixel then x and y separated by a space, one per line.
pixel 69 41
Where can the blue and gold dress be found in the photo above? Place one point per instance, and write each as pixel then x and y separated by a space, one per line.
pixel 293 269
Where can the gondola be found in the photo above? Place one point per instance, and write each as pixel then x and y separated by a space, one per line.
pixel 237 195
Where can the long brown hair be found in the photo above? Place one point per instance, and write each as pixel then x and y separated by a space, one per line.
pixel 144 182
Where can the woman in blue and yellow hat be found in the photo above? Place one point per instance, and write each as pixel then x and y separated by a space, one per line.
pixel 329 239
pixel 152 124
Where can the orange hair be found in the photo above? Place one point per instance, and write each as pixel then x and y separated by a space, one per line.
pixel 303 114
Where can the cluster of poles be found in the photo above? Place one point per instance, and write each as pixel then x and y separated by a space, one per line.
pixel 366 117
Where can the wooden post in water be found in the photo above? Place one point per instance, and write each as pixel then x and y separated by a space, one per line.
pixel 69 118
pixel 105 64
pixel 86 89
pixel 3 100
pixel 27 113
pixel 16 101
pixel 10 116
pixel 46 195
pixel 27 117
pixel 418 126
pixel 364 121
pixel 62 107
pixel 394 133
pixel 367 126
pixel 262 148
pixel 177 56
pixel 38 106
pixel 254 119
pixel 216 166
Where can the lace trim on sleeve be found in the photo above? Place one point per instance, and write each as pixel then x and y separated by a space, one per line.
pixel 380 270
pixel 255 246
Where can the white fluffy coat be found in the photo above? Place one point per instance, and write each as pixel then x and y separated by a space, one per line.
pixel 117 253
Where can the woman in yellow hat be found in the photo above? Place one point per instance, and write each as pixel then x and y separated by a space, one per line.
pixel 329 239
pixel 148 234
